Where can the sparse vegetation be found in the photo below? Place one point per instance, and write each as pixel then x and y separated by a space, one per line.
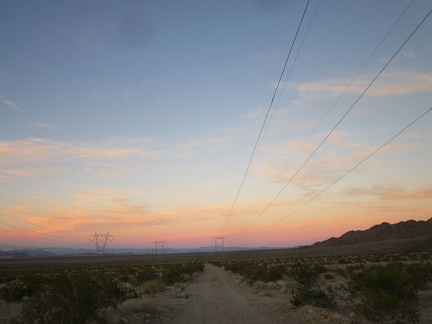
pixel 377 288
pixel 72 298
pixel 373 286
pixel 88 294
pixel 313 295
pixel 386 293
pixel 264 271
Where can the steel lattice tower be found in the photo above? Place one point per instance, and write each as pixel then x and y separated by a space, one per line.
pixel 101 241
pixel 219 243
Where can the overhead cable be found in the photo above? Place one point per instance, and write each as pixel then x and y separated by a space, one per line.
pixel 341 119
pixel 264 123
pixel 324 117
pixel 349 171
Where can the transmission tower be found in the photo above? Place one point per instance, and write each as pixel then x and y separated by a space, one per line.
pixel 159 246
pixel 219 242
pixel 101 241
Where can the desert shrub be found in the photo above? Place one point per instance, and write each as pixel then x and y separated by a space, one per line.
pixel 340 271
pixel 328 276
pixel 179 286
pixel 308 293
pixel 172 275
pixel 312 295
pixel 26 286
pixel 304 273
pixel 355 267
pixel 191 268
pixel 153 286
pixel 259 285
pixel 375 258
pixel 358 259
pixel 13 292
pixel 137 305
pixel 276 273
pixel 271 285
pixel 145 275
pixel 386 293
pixel 343 260
pixel 72 298
pixel 264 274
pixel 425 256
pixel 253 272
pixel 421 273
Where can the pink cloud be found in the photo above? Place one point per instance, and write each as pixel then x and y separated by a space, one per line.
pixel 391 192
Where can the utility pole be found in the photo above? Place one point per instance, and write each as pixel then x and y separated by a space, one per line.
pixel 159 245
pixel 219 242
pixel 101 241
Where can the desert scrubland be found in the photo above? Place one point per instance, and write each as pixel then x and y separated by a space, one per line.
pixel 346 284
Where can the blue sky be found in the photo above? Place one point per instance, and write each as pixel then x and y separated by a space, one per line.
pixel 140 117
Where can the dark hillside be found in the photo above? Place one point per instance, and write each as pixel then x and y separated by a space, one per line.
pixel 411 229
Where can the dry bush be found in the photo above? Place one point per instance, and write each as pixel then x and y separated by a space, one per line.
pixel 137 305
pixel 179 286
pixel 259 285
pixel 107 315
pixel 73 298
pixel 386 293
pixel 271 285
pixel 153 286
pixel 112 315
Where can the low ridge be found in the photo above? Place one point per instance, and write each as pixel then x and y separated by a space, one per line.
pixel 420 230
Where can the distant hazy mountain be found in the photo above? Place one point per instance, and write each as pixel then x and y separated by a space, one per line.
pixel 56 252
pixel 25 253
pixel 419 230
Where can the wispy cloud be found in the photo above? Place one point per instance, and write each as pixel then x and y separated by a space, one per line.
pixel 219 140
pixel 41 125
pixel 9 103
pixel 24 157
pixel 393 83
pixel 33 171
pixel 4 178
pixel 391 192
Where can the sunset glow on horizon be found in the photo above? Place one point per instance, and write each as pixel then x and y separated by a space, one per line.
pixel 140 118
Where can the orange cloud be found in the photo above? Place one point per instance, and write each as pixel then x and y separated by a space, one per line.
pixel 391 192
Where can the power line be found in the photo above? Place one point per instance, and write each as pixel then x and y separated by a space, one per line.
pixel 325 116
pixel 294 62
pixel 342 93
pixel 44 227
pixel 264 122
pixel 56 238
pixel 340 120
pixel 37 208
pixel 349 171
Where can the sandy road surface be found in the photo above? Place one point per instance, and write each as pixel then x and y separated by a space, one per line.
pixel 214 298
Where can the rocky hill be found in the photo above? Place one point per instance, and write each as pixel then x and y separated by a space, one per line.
pixel 418 231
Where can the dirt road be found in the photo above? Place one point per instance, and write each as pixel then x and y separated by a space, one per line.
pixel 215 298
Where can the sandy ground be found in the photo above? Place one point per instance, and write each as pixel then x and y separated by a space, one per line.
pixel 215 298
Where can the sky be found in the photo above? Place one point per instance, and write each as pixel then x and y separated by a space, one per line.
pixel 181 121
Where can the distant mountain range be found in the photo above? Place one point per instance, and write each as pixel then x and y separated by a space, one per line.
pixel 26 253
pixel 409 236
pixel 58 252
pixel 420 232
